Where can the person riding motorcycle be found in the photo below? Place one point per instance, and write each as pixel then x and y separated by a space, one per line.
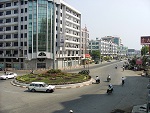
pixel 108 78
pixel 122 79
pixel 97 79
pixel 110 88
pixel 116 66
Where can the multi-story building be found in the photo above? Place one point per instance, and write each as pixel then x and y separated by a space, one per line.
pixel 106 47
pixel 39 34
pixel 84 43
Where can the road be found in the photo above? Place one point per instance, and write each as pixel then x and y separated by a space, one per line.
pixel 87 99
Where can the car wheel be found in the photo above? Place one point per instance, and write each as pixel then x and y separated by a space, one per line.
pixel 49 91
pixel 33 90
pixel 6 78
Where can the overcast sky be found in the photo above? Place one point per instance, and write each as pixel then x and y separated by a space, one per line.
pixel 127 19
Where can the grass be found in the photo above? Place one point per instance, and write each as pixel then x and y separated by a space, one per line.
pixel 54 77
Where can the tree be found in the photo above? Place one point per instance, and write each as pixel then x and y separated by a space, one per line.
pixel 95 54
pixel 144 50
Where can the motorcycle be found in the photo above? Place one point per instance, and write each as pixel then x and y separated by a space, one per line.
pixel 109 91
pixel 122 82
pixel 97 81
pixel 108 79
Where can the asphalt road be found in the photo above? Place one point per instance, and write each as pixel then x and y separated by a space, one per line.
pixel 87 99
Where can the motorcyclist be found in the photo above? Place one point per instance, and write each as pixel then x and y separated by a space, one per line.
pixel 110 88
pixel 108 77
pixel 97 79
pixel 122 79
pixel 116 66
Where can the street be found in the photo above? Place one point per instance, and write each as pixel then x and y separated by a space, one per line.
pixel 87 99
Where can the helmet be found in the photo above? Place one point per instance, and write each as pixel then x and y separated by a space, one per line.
pixel 71 111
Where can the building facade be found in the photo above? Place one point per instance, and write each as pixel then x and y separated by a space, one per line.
pixel 106 47
pixel 39 34
pixel 84 42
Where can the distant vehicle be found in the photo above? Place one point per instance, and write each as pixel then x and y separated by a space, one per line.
pixel 108 61
pixel 8 75
pixel 97 62
pixel 41 86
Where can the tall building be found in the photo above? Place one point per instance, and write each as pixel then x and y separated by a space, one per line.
pixel 39 34
pixel 84 43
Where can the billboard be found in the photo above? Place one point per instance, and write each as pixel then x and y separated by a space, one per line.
pixel 145 40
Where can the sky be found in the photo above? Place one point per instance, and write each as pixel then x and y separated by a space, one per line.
pixel 127 19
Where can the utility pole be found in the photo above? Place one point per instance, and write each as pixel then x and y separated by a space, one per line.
pixel 54 36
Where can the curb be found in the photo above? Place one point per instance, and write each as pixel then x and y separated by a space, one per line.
pixel 66 86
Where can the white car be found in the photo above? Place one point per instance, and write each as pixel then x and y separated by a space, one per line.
pixel 41 86
pixel 8 75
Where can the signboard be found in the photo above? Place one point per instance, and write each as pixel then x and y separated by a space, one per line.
pixel 61 44
pixel 138 61
pixel 145 40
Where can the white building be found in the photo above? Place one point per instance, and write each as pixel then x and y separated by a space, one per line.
pixel 35 34
pixel 84 42
pixel 106 48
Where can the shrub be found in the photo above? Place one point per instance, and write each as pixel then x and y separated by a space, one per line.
pixel 86 72
pixel 54 71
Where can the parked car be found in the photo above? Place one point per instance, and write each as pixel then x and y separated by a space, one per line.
pixel 8 75
pixel 41 86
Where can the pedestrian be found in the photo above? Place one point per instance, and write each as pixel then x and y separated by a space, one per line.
pixel 123 68
pixel 70 111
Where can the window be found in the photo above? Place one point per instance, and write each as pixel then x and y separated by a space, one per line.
pixel 8 20
pixel 8 4
pixel 1 13
pixel 1 28
pixel 8 28
pixel 25 18
pixel 8 44
pixel 25 35
pixel 1 44
pixel 25 27
pixel 21 18
pixel 15 27
pixel 22 2
pixel 8 36
pixel 26 2
pixel 8 12
pixel 25 43
pixel 25 10
pixel 1 21
pixel 21 26
pixel 15 35
pixel 21 35
pixel 16 11
pixel 1 5
pixel 15 43
pixel 16 19
pixel 30 16
pixel 15 3
pixel 21 10
pixel 21 44
pixel 1 36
